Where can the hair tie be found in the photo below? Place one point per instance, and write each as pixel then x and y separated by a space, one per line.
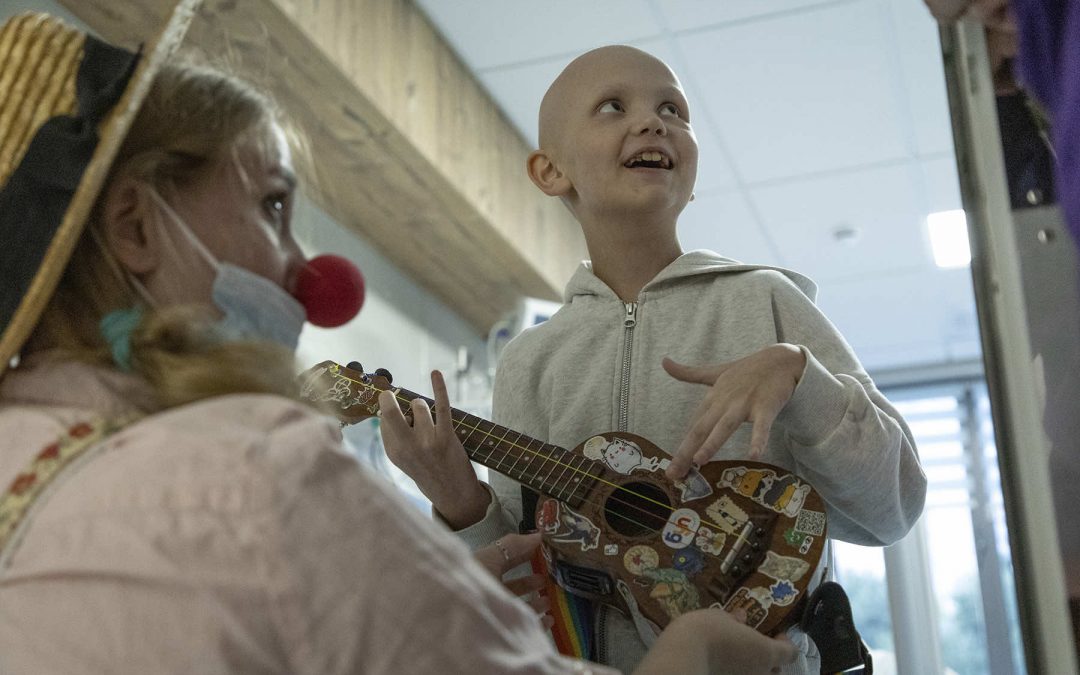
pixel 116 327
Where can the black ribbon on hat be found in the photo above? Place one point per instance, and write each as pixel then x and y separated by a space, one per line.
pixel 36 197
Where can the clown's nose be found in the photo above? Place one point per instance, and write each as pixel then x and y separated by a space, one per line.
pixel 331 289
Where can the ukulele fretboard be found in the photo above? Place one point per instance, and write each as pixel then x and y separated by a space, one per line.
pixel 546 468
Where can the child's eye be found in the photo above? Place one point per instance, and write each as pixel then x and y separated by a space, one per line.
pixel 670 109
pixel 611 106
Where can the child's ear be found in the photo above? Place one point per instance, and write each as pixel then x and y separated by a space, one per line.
pixel 128 228
pixel 546 175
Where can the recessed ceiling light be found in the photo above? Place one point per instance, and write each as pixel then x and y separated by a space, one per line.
pixel 949 238
pixel 845 233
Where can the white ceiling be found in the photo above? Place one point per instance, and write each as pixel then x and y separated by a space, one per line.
pixel 812 115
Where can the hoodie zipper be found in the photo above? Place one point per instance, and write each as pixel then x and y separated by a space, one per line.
pixel 629 321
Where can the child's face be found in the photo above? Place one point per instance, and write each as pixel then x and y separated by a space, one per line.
pixel 624 138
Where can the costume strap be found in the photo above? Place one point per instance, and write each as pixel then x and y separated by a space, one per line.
pixel 573 628
pixel 76 446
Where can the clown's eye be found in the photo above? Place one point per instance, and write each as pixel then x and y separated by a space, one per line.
pixel 611 106
pixel 276 208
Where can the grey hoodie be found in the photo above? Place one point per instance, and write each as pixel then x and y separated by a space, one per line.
pixel 595 367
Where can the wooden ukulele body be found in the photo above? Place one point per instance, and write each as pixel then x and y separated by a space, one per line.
pixel 741 535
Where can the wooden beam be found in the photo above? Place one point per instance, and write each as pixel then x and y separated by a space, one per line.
pixel 409 150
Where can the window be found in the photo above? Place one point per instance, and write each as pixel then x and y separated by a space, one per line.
pixel 957 558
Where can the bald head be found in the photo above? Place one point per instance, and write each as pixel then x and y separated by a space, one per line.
pixel 586 73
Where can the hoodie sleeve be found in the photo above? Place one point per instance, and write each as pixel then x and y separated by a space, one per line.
pixel 845 436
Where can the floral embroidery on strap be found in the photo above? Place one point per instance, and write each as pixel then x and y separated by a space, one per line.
pixel 28 486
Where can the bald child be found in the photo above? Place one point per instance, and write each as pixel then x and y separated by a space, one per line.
pixel 707 357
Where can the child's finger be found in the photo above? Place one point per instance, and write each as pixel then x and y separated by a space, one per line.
pixel 389 412
pixel 421 415
pixel 759 437
pixel 442 398
pixel 720 433
pixel 698 374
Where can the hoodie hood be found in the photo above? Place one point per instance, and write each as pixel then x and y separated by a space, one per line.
pixel 691 263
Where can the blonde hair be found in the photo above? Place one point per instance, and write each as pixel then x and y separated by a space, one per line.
pixel 193 118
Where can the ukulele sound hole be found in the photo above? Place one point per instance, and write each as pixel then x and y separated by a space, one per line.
pixel 637 509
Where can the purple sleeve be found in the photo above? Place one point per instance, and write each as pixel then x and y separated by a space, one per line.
pixel 1048 63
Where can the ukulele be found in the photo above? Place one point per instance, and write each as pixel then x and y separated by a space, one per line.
pixel 744 536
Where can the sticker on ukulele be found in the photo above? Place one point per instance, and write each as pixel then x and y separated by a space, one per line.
pixel 810 522
pixel 783 494
pixel 341 393
pixel 622 455
pixel 710 541
pixel 640 558
pixel 564 526
pixel 680 528
pixel 783 593
pixel 673 591
pixel 783 568
pixel 799 540
pixel 725 514
pixel 694 486
pixel 746 608
pixel 689 561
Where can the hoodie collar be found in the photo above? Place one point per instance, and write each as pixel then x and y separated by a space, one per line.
pixel 691 263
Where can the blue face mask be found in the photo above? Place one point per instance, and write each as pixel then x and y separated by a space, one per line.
pixel 254 307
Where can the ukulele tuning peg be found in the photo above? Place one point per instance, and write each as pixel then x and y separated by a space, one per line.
pixel 355 365
pixel 383 372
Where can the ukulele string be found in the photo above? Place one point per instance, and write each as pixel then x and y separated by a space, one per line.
pixel 617 488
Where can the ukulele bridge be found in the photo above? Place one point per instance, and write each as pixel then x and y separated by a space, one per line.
pixel 745 555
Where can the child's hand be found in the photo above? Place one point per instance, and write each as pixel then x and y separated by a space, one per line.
pixel 754 389
pixel 507 553
pixel 430 453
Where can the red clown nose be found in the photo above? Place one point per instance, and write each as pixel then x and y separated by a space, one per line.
pixel 331 289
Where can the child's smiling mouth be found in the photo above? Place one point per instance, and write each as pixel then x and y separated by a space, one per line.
pixel 649 159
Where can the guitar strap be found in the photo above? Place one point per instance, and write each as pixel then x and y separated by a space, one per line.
pixel 24 497
pixel 573 628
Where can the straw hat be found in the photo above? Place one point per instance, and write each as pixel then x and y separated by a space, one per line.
pixel 69 100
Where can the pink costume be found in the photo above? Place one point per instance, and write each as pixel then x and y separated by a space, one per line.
pixel 234 535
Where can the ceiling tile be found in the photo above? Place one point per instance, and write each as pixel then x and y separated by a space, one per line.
pixel 696 14
pixel 884 206
pixel 724 223
pixel 488 34
pixel 801 93
pixel 942 184
pixel 909 319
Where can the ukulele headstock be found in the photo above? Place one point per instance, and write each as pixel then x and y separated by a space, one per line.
pixel 350 392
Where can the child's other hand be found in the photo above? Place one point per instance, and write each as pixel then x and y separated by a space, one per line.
pixel 505 554
pixel 753 389
pixel 430 453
